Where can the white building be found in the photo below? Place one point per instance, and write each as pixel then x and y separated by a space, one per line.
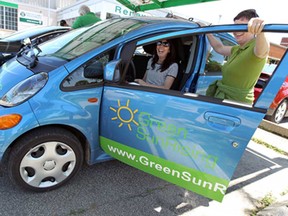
pixel 16 15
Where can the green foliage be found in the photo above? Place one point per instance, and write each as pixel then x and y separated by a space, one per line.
pixel 213 66
pixel 267 145
pixel 263 203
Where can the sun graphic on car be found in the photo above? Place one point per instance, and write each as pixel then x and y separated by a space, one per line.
pixel 125 115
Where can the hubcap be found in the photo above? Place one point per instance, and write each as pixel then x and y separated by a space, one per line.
pixel 47 164
pixel 280 113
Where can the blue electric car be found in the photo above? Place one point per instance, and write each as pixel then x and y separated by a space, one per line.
pixel 73 100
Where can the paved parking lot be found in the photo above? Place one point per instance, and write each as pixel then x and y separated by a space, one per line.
pixel 113 188
pixel 284 123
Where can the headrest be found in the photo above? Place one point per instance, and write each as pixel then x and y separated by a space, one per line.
pixel 150 48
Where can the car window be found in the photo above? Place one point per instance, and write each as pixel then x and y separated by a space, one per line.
pixel 52 46
pixel 269 68
pixel 212 69
pixel 140 59
pixel 49 36
pixel 31 33
pixel 88 38
pixel 183 48
pixel 214 60
pixel 77 80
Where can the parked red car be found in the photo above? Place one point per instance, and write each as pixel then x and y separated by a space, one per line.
pixel 278 109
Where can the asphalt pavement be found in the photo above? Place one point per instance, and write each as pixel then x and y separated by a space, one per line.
pixel 280 141
pixel 115 189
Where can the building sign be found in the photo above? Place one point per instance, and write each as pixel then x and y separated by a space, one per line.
pixel 8 4
pixel 125 12
pixel 29 17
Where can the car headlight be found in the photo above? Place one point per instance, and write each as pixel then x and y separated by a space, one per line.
pixel 24 90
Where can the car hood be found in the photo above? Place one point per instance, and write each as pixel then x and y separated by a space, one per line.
pixel 12 72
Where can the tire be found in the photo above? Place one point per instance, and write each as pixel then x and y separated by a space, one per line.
pixel 279 113
pixel 45 159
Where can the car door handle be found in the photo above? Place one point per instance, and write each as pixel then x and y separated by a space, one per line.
pixel 221 122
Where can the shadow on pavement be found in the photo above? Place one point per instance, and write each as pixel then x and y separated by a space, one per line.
pixel 113 188
pixel 253 162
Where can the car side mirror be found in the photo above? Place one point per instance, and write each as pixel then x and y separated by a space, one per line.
pixel 112 71
pixel 94 71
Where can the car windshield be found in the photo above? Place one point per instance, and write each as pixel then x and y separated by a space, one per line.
pixel 80 41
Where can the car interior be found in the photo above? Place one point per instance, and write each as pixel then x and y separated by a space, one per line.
pixel 184 51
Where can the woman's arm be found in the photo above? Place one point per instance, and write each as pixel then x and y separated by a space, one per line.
pixel 167 84
pixel 169 79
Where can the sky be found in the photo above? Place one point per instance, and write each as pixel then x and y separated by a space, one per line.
pixel 223 12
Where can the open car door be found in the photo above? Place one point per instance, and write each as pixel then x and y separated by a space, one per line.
pixel 191 140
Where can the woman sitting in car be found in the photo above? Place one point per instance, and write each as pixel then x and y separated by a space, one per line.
pixel 162 68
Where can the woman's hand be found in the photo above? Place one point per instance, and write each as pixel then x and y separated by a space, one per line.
pixel 141 82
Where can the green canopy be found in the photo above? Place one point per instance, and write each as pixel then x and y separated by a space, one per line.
pixel 144 5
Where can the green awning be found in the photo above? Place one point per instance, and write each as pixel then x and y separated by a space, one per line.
pixel 144 5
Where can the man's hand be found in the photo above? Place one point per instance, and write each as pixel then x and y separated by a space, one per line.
pixel 255 25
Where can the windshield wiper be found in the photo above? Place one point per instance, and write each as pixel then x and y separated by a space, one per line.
pixel 26 56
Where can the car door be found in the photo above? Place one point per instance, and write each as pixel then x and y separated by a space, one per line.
pixel 185 138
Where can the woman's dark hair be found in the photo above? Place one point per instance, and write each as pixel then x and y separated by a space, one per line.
pixel 170 58
pixel 248 14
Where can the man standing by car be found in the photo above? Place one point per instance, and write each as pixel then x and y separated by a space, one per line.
pixel 86 17
pixel 245 62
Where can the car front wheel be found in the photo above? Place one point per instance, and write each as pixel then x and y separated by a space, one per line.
pixel 45 159
pixel 279 113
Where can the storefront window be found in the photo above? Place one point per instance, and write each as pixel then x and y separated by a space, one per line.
pixel 1 17
pixel 8 18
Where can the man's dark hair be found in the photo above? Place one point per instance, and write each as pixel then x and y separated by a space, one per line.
pixel 63 23
pixel 248 14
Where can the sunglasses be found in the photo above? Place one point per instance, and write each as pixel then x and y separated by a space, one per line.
pixel 163 43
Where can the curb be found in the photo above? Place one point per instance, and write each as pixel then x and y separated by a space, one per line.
pixel 274 128
pixel 279 207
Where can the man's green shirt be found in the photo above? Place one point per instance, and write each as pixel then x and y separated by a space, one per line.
pixel 243 68
pixel 87 19
pixel 239 75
